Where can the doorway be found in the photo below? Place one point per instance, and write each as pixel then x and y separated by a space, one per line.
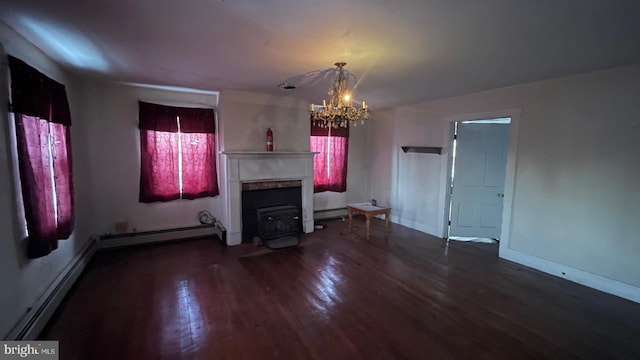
pixel 477 179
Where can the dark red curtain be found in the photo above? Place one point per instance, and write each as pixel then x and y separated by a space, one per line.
pixel 163 118
pixel 159 179
pixel 32 136
pixel 35 94
pixel 160 133
pixel 63 176
pixel 43 123
pixel 330 164
pixel 199 176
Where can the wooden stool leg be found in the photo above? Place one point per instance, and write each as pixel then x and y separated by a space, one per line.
pixel 368 223
pixel 386 219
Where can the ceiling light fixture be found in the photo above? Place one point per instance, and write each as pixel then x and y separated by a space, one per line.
pixel 339 111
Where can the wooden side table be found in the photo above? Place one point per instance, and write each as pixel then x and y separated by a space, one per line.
pixel 368 211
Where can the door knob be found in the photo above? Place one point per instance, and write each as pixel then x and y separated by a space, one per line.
pixel 501 195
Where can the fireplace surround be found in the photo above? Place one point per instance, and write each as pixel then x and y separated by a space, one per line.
pixel 239 168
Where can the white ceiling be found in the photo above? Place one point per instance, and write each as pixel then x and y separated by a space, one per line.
pixel 399 52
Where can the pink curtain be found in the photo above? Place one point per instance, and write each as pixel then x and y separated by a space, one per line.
pixel 158 166
pixel 198 165
pixel 330 165
pixel 43 123
pixel 63 177
pixel 338 164
pixel 33 137
pixel 159 175
pixel 320 144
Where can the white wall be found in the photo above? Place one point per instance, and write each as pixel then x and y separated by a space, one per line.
pixel 115 158
pixel 245 117
pixel 575 198
pixel 415 177
pixel 381 155
pixel 24 280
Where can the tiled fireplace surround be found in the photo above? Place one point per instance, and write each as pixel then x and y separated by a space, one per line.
pixel 244 167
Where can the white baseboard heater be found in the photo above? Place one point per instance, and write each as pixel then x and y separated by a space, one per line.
pixel 32 323
pixel 36 318
pixel 154 236
pixel 327 214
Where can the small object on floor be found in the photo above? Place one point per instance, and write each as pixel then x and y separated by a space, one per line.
pixel 319 226
pixel 283 242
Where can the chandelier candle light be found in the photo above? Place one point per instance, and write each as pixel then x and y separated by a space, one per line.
pixel 339 111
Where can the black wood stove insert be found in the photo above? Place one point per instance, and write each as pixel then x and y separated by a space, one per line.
pixel 272 210
pixel 279 226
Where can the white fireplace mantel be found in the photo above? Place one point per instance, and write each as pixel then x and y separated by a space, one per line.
pixel 253 166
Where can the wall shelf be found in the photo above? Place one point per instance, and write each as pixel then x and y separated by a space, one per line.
pixel 422 149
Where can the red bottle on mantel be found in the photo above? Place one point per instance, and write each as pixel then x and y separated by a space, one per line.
pixel 269 140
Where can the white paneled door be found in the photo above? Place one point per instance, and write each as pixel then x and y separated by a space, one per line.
pixel 478 179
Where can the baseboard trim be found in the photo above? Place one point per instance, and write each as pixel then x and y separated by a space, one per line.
pixel 328 214
pixel 158 236
pixel 34 321
pixel 581 277
pixel 415 225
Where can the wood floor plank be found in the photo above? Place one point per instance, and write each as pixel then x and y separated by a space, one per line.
pixel 397 295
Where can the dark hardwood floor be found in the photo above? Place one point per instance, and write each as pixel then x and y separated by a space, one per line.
pixel 401 295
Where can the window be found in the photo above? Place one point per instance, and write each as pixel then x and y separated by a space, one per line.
pixel 177 153
pixel 42 124
pixel 330 165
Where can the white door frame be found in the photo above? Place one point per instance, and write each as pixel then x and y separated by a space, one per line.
pixel 509 182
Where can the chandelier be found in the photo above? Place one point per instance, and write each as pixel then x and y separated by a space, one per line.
pixel 339 110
